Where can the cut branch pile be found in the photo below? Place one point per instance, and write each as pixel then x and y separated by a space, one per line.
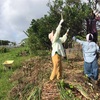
pixel 35 72
pixel 50 91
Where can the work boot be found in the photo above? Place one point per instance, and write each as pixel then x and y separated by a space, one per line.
pixel 93 81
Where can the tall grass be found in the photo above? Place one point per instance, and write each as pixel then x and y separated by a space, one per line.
pixel 12 54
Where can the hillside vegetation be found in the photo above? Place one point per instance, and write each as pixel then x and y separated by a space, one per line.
pixel 29 77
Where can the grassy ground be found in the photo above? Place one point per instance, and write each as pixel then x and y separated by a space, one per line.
pixel 18 55
pixel 13 54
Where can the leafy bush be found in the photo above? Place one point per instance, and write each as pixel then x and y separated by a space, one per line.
pixel 4 50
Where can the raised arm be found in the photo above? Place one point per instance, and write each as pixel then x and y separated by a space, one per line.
pixel 58 29
pixel 97 14
pixel 77 40
pixel 64 37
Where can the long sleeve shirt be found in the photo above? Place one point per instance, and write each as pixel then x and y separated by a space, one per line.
pixel 89 50
pixel 91 25
pixel 57 42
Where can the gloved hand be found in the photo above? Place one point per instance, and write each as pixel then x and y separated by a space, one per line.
pixel 74 38
pixel 67 31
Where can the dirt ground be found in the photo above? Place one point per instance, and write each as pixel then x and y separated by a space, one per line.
pixel 36 72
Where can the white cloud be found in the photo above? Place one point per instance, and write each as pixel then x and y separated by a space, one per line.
pixel 16 16
pixel 84 1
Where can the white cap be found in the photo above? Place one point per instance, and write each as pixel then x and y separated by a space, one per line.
pixel 50 36
pixel 88 35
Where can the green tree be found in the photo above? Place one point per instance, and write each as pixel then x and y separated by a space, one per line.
pixel 74 13
pixel 4 42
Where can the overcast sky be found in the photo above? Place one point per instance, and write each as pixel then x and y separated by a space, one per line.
pixel 16 16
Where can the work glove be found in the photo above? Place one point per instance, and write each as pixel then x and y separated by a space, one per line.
pixel 67 31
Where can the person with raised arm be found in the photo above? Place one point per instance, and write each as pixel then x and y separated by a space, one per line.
pixel 57 50
pixel 90 48
pixel 91 21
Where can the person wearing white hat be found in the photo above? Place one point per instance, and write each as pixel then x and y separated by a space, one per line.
pixel 57 50
pixel 89 49
pixel 91 24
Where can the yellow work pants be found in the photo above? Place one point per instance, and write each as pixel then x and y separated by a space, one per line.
pixel 57 67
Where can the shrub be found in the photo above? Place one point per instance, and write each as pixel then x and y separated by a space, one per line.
pixel 3 50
